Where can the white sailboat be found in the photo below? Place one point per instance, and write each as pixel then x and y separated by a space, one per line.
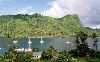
pixel 14 42
pixel 41 40
pixel 68 42
pixel 29 42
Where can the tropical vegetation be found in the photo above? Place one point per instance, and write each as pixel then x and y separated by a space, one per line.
pixel 36 25
pixel 81 54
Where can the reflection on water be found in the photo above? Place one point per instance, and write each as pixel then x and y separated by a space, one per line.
pixel 58 43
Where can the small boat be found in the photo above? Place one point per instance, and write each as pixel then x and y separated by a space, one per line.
pixel 19 50
pixel 68 42
pixel 14 42
pixel 41 40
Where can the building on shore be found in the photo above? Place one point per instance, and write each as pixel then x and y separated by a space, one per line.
pixel 37 55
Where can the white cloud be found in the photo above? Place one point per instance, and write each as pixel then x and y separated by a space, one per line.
pixel 53 11
pixel 88 10
pixel 24 10
pixel 31 13
pixel 95 26
pixel 64 7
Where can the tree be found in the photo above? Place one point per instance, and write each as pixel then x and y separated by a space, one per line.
pixel 83 36
pixel 95 39
pixel 22 26
pixel 50 53
pixel 77 42
pixel 35 49
pixel 82 48
pixel 64 56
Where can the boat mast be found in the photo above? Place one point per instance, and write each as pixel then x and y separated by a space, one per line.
pixel 41 38
pixel 29 42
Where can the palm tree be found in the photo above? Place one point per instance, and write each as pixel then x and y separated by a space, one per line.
pixel 8 57
pixel 50 53
pixel 64 56
pixel 83 36
pixel 83 46
pixel 51 49
pixel 77 42
pixel 95 39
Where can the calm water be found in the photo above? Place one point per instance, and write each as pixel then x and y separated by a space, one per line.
pixel 58 43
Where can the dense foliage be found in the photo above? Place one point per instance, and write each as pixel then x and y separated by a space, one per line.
pixel 36 25
pixel 82 53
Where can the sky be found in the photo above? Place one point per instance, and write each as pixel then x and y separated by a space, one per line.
pixel 87 10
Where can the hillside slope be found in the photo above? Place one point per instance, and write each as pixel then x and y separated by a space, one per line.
pixel 36 25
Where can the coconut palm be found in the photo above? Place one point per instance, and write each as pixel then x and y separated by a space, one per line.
pixel 81 43
pixel 95 39
pixel 83 36
pixel 64 56
pixel 50 53
pixel 77 42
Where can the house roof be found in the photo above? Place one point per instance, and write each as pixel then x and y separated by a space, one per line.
pixel 37 53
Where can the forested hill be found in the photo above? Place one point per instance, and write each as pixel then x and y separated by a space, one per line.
pixel 93 29
pixel 36 25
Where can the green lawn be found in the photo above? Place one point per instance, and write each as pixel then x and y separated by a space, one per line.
pixel 85 60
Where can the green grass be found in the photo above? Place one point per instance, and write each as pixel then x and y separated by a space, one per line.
pixel 94 60
pixel 80 60
pixel 85 60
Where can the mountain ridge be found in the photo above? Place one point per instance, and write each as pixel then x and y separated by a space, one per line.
pixel 37 25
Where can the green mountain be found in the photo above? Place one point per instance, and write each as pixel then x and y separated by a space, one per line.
pixel 92 29
pixel 36 25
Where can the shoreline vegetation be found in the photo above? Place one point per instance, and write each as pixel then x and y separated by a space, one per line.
pixel 37 25
pixel 82 53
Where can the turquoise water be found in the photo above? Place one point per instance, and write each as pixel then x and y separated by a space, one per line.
pixel 58 43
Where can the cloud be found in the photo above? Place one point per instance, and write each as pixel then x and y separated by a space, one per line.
pixel 31 13
pixel 53 11
pixel 24 10
pixel 88 10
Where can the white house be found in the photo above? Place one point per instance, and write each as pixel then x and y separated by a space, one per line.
pixel 37 55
